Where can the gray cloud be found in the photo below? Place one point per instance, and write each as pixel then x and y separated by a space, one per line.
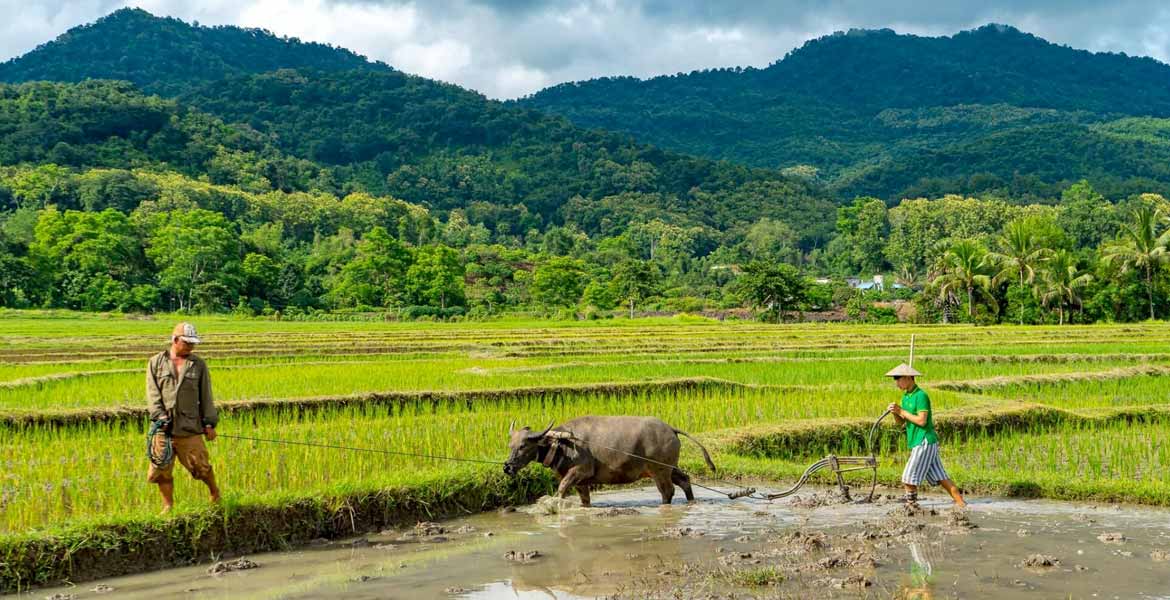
pixel 507 48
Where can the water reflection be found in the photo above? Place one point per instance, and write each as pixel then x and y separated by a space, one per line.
pixel 921 571
pixel 501 590
pixel 628 542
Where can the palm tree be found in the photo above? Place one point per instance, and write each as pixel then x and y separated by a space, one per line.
pixel 906 277
pixel 946 299
pixel 1141 247
pixel 1062 282
pixel 965 268
pixel 1020 255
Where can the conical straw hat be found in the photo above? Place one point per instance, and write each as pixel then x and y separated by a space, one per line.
pixel 903 370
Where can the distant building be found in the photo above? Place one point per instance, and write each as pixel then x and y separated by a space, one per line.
pixel 878 283
pixel 733 269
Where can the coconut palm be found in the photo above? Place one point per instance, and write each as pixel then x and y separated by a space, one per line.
pixel 965 268
pixel 1141 248
pixel 1020 256
pixel 907 278
pixel 944 299
pixel 1062 282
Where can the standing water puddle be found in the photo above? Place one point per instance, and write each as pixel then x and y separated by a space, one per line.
pixel 628 546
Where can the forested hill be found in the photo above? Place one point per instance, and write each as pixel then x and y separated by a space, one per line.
pixel 989 110
pixel 375 129
pixel 147 164
pixel 166 55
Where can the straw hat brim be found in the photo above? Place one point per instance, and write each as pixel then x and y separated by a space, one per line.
pixel 903 370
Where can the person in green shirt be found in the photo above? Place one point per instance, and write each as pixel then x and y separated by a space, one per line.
pixel 924 463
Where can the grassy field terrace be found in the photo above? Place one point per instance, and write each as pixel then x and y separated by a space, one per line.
pixel 1061 412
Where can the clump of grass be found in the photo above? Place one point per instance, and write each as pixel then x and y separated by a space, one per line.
pixel 754 577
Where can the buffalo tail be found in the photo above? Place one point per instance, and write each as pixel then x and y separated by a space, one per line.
pixel 706 456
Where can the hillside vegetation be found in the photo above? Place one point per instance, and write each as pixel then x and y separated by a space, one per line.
pixel 153 164
pixel 992 110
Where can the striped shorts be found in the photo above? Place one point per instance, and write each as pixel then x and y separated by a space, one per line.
pixel 925 464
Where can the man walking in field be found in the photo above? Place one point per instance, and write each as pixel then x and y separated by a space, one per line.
pixel 914 411
pixel 178 394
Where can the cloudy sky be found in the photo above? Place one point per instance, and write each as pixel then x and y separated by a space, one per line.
pixel 508 48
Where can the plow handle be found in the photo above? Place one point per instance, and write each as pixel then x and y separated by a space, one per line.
pixel 872 429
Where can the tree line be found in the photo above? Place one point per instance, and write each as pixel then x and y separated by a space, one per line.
pixel 140 240
pixel 1080 259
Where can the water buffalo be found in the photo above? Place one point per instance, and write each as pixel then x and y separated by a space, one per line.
pixel 595 450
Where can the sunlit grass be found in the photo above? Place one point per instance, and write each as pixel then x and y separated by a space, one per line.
pixel 56 474
pixel 1094 392
pixel 85 472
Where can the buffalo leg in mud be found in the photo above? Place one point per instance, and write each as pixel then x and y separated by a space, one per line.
pixel 583 492
pixel 683 481
pixel 572 477
pixel 665 483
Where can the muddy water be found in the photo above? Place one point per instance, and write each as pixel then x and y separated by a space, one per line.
pixel 627 546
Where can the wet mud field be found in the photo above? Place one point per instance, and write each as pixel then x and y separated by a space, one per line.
pixel 627 546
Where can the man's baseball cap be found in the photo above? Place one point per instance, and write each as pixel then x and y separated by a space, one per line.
pixel 186 332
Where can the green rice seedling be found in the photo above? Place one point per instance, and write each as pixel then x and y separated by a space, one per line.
pixel 252 379
pixel 1100 459
pixel 59 474
pixel 1092 391
pixel 787 373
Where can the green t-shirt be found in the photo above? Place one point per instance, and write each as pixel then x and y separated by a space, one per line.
pixel 912 402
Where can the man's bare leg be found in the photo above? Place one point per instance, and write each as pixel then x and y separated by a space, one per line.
pixel 213 488
pixel 949 486
pixel 167 489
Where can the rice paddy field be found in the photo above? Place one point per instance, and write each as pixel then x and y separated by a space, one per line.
pixel 1062 412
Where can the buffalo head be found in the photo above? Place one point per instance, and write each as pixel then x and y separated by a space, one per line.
pixel 524 446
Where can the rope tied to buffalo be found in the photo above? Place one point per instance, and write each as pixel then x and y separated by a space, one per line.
pixel 731 495
pixel 357 449
pixel 870 462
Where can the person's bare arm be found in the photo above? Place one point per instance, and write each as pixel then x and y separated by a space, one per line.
pixel 896 412
pixel 918 419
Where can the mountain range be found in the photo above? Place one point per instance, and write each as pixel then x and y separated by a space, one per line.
pixel 988 111
pixel 372 128
pixel 993 109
